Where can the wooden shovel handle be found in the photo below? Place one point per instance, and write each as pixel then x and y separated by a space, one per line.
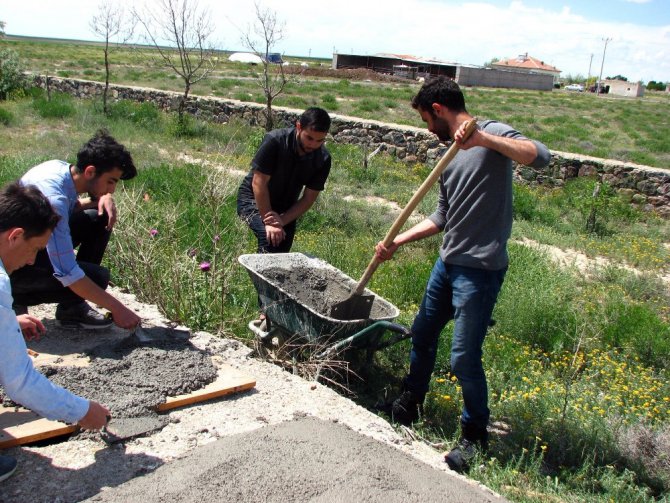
pixel 412 204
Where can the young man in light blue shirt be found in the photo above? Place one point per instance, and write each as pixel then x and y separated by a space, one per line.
pixel 26 223
pixel 69 271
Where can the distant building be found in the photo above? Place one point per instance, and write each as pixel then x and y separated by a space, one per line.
pixel 624 88
pixel 407 66
pixel 526 63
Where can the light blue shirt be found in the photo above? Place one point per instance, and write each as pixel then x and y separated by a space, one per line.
pixel 54 180
pixel 22 383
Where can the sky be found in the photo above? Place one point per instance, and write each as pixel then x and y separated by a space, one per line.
pixel 571 35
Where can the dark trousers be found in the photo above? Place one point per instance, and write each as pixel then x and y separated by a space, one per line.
pixel 248 212
pixel 36 284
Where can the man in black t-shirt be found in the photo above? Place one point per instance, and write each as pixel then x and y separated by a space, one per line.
pixel 287 174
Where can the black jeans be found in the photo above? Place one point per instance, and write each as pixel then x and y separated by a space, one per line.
pixel 248 212
pixel 36 284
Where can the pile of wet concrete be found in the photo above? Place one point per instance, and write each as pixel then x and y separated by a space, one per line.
pixel 136 374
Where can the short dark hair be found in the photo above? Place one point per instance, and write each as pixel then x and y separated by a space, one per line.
pixel 26 207
pixel 105 153
pixel 315 118
pixel 440 90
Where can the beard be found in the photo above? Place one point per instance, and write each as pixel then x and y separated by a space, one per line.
pixel 441 129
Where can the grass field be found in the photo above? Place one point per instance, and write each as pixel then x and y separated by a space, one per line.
pixel 634 130
pixel 578 365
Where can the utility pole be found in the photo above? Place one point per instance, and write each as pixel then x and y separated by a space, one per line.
pixel 589 76
pixel 602 63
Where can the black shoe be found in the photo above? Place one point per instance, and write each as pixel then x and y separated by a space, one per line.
pixel 459 457
pixel 407 408
pixel 475 440
pixel 83 316
pixel 19 309
pixel 7 467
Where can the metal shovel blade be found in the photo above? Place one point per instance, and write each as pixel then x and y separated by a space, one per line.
pixel 356 307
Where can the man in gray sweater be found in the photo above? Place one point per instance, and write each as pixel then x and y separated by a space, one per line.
pixel 475 212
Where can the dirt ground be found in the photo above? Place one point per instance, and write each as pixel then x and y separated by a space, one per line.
pixel 286 439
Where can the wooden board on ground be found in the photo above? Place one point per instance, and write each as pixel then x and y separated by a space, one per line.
pixel 229 381
pixel 21 426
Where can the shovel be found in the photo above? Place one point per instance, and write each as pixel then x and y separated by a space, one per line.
pixel 359 306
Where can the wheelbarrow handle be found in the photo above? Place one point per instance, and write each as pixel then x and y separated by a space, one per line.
pixel 401 332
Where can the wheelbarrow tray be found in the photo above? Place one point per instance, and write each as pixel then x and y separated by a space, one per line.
pixel 298 291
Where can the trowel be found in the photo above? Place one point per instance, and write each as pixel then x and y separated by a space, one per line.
pixel 359 306
pixel 119 429
pixel 158 334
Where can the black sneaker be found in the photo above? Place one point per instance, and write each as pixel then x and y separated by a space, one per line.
pixel 82 316
pixel 7 467
pixel 458 459
pixel 475 440
pixel 407 408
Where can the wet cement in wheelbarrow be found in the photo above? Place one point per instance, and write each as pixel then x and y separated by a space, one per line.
pixel 318 289
pixel 132 377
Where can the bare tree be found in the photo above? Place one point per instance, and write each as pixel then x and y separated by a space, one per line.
pixel 261 38
pixel 180 31
pixel 110 23
pixel 2 29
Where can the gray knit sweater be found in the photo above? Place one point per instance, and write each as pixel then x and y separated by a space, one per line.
pixel 475 203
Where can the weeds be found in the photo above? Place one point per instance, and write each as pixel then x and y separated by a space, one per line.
pixel 60 106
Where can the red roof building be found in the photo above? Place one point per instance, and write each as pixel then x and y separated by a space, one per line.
pixel 529 64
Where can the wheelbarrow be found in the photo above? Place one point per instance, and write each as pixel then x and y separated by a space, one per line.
pixel 297 292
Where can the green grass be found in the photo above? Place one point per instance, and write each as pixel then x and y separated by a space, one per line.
pixel 577 365
pixel 631 130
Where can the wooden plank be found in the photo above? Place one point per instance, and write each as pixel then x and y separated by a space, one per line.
pixel 229 380
pixel 21 426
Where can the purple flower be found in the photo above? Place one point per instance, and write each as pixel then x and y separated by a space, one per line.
pixel 205 266
pixel 217 238
pixel 153 232
pixel 192 252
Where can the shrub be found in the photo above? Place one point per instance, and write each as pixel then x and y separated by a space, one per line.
pixel 368 105
pixel 11 76
pixel 58 107
pixel 145 114
pixel 6 117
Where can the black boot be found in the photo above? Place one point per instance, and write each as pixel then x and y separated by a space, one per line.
pixel 474 439
pixel 407 408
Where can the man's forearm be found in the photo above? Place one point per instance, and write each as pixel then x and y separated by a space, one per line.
pixel 423 229
pixel 88 290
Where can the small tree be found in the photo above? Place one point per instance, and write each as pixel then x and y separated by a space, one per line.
pixel 109 24
pixel 186 30
pixel 2 29
pixel 261 38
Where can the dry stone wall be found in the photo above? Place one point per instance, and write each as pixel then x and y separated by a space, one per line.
pixel 645 187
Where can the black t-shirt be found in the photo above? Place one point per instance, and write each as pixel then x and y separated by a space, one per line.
pixel 289 172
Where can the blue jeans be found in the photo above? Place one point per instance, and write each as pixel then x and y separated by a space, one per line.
pixel 467 296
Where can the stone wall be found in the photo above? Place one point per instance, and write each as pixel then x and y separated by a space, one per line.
pixel 647 188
